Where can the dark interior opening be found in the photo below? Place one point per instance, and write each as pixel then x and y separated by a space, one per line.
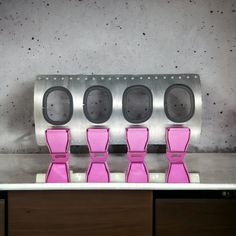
pixel 57 105
pixel 137 104
pixel 179 103
pixel 97 104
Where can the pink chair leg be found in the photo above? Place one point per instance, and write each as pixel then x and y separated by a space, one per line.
pixel 177 139
pixel 98 140
pixel 137 139
pixel 58 141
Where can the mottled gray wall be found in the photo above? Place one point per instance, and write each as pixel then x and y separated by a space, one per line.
pixel 84 37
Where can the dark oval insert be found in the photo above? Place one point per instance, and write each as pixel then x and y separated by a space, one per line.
pixel 57 105
pixel 97 104
pixel 179 103
pixel 137 104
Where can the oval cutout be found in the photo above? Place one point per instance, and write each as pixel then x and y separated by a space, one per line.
pixel 179 104
pixel 137 104
pixel 57 105
pixel 97 104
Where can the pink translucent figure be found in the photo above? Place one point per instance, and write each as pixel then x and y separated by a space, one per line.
pixel 98 141
pixel 58 141
pixel 177 139
pixel 137 139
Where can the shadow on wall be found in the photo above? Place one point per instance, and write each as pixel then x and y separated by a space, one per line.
pixel 224 131
pixel 20 126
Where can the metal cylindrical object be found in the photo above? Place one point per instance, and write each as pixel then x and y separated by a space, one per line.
pixel 79 102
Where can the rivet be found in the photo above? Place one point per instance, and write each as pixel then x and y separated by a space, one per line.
pixel 62 78
pixel 55 78
pixel 172 77
pixel 156 77
pixel 149 77
pixel 117 78
pixel 180 77
pixel 132 78
pixel 125 78
pixel 188 77
pixel 71 78
pixel 141 77
pixel 102 78
pixel 78 78
pixel 164 77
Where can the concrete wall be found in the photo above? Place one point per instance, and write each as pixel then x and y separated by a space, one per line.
pixel 116 36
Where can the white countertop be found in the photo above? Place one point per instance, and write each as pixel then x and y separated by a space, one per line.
pixel 217 172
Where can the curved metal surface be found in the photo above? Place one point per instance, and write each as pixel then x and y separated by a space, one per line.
pixel 78 84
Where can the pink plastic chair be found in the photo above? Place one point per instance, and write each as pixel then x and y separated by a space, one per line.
pixel 177 139
pixel 137 139
pixel 98 141
pixel 58 141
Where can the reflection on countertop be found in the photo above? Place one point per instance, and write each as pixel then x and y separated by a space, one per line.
pixel 218 170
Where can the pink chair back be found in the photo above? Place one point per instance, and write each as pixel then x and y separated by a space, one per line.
pixel 58 140
pixel 177 139
pixel 137 139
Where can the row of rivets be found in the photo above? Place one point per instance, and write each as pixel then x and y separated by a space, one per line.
pixel 118 78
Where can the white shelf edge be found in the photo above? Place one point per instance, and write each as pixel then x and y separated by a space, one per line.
pixel 114 186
